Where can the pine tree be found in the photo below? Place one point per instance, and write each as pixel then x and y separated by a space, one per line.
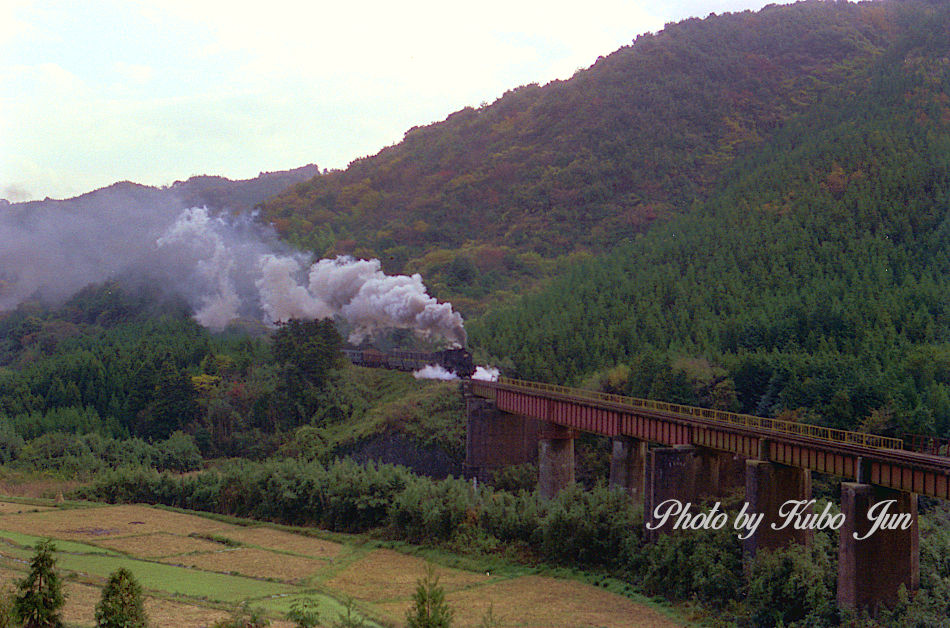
pixel 121 603
pixel 429 609
pixel 40 594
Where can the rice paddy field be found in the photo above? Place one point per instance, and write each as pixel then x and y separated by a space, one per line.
pixel 196 570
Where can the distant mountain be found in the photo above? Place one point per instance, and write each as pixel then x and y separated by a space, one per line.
pixel 208 191
pixel 486 199
pixel 50 249
pixel 242 195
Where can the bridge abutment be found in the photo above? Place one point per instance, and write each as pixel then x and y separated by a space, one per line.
pixel 871 570
pixel 768 487
pixel 555 458
pixel 495 439
pixel 627 463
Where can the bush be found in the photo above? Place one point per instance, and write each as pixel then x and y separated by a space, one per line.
pixel 244 617
pixel 589 527
pixel 792 584
pixel 179 453
pixel 303 613
pixel 516 477
pixel 121 602
pixel 705 564
pixel 346 619
pixel 428 510
pixel 7 615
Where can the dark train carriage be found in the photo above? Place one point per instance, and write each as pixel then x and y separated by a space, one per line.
pixel 459 361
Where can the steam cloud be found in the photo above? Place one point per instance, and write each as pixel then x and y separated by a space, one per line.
pixel 434 371
pixel 227 267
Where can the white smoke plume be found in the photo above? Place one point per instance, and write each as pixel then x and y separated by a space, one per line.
pixel 434 371
pixel 356 290
pixel 486 373
pixel 361 293
pixel 226 266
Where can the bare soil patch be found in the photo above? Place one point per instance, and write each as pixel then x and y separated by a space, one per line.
pixel 249 561
pixel 388 575
pixel 159 545
pixel 286 541
pixel 89 524
pixel 545 603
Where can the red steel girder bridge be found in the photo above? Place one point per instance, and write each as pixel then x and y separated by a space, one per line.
pixel 867 458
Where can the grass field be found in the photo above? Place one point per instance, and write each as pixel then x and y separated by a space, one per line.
pixel 195 570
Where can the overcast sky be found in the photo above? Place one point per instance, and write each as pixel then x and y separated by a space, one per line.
pixel 155 91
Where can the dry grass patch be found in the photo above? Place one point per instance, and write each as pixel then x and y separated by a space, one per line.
pixel 248 561
pixel 13 508
pixel 389 575
pixel 81 600
pixel 158 545
pixel 165 613
pixel 84 524
pixel 543 602
pixel 286 542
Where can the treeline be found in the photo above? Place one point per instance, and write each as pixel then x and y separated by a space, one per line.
pixel 83 455
pixel 122 363
pixel 117 367
pixel 598 530
pixel 814 282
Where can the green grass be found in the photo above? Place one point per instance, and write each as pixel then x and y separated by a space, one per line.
pixel 72 547
pixel 177 580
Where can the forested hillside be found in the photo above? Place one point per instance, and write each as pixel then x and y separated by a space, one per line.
pixel 91 383
pixel 813 280
pixel 485 201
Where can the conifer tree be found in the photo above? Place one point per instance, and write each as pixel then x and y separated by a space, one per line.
pixel 429 608
pixel 40 594
pixel 121 603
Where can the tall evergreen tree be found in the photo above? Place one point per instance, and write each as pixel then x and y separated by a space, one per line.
pixel 121 603
pixel 40 594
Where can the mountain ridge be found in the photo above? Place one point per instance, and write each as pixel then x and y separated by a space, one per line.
pixel 487 200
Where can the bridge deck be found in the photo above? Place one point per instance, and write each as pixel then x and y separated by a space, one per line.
pixel 867 457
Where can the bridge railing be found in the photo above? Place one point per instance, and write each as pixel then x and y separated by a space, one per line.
pixel 709 414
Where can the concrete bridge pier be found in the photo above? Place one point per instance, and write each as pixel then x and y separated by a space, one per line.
pixel 555 458
pixel 871 570
pixel 768 487
pixel 627 462
pixel 718 473
pixel 670 474
pixel 685 473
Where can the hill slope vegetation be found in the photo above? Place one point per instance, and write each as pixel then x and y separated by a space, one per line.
pixel 486 201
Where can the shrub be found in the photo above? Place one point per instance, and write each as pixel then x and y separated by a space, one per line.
pixel 792 584
pixel 303 613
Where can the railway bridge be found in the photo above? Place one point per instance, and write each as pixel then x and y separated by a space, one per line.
pixel 663 451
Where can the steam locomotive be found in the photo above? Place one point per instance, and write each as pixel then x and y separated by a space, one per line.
pixel 459 361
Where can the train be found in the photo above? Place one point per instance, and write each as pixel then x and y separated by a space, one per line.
pixel 458 360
